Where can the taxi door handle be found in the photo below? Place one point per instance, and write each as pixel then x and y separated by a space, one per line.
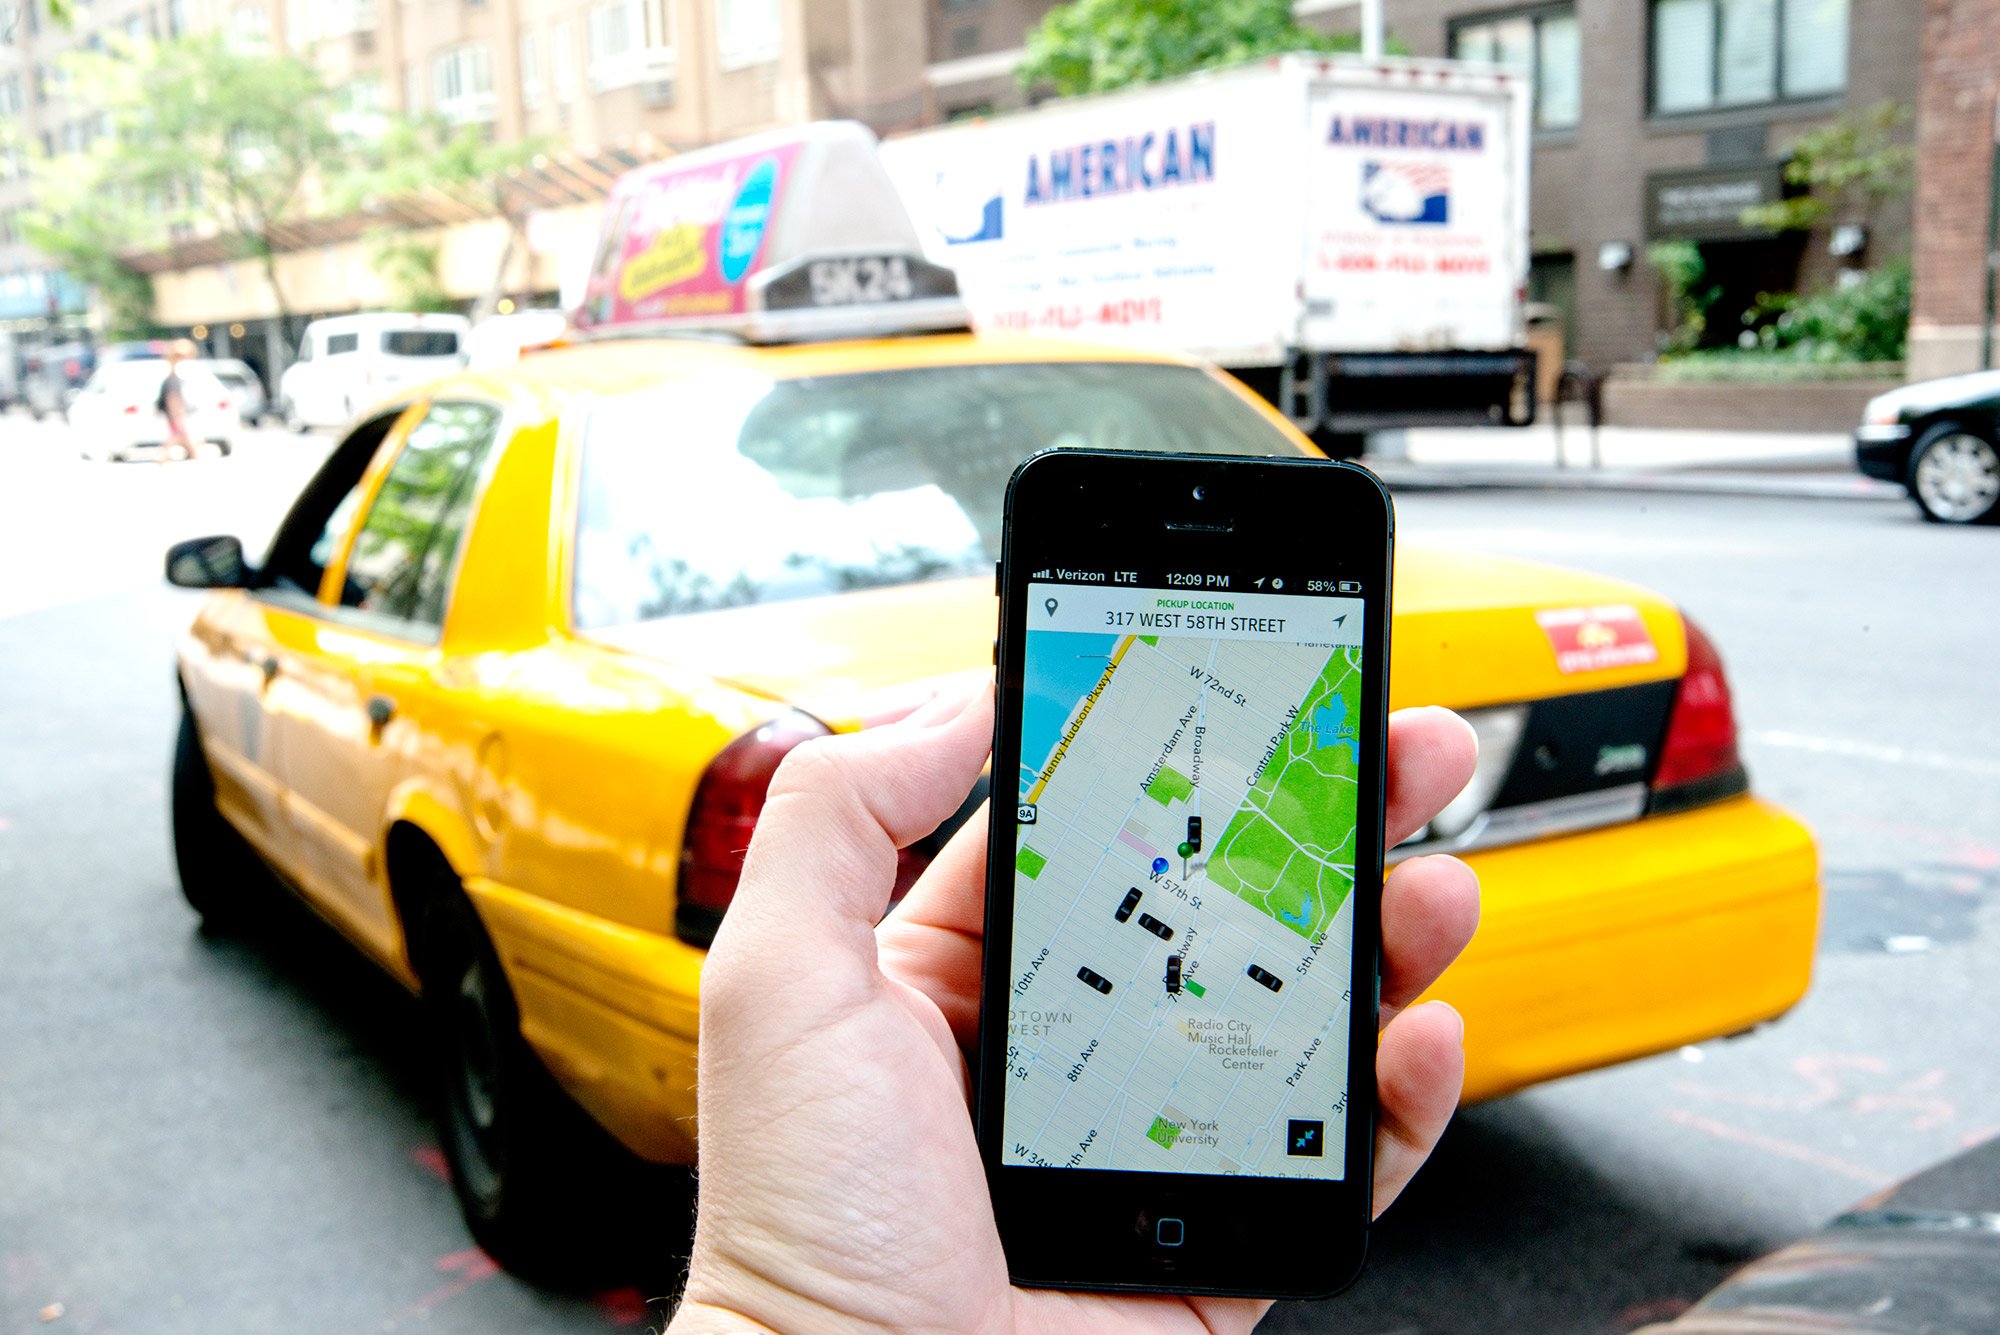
pixel 380 710
pixel 269 667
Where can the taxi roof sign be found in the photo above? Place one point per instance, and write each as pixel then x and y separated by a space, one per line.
pixel 783 237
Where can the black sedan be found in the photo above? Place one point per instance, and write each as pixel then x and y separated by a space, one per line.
pixel 1941 439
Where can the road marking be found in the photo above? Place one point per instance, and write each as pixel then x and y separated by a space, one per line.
pixel 1888 755
pixel 1784 1149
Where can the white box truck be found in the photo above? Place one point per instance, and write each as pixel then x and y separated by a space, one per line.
pixel 1349 237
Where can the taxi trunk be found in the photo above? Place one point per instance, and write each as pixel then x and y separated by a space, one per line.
pixel 1636 897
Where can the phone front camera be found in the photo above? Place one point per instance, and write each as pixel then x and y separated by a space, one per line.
pixel 1201 493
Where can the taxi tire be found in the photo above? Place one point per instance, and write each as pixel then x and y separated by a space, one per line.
pixel 219 872
pixel 518 1148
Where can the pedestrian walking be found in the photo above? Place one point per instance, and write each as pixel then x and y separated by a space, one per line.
pixel 173 403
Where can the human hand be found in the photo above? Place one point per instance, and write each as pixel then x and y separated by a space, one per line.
pixel 841 1186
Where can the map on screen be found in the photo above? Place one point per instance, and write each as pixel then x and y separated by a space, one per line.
pixel 1184 861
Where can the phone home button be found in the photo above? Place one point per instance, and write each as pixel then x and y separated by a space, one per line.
pixel 1169 1232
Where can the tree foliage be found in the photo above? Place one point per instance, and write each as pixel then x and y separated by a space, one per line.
pixel 1093 46
pixel 203 130
pixel 412 157
pixel 86 234
pixel 1848 168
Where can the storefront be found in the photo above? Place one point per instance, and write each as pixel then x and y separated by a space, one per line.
pixel 1741 264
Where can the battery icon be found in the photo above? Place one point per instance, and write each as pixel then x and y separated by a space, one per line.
pixel 1349 586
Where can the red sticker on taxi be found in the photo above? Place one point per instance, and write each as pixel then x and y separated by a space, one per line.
pixel 1590 639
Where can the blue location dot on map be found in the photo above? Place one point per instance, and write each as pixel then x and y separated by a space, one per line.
pixel 1159 866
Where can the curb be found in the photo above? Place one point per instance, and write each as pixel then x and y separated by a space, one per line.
pixel 1801 486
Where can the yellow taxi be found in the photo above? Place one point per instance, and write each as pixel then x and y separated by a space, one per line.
pixel 502 700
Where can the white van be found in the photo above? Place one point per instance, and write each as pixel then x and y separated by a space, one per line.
pixel 350 361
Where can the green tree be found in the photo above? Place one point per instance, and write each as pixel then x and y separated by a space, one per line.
pixel 1689 295
pixel 1093 46
pixel 86 230
pixel 196 132
pixel 413 157
pixel 1849 168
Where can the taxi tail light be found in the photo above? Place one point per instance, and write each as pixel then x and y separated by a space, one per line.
pixel 1699 762
pixel 727 802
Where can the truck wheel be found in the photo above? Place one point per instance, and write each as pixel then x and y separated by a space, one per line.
pixel 219 872
pixel 514 1140
pixel 1955 475
pixel 288 413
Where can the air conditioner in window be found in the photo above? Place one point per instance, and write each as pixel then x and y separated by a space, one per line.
pixel 364 43
pixel 657 92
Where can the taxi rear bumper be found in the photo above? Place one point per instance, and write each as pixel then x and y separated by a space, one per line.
pixel 1599 947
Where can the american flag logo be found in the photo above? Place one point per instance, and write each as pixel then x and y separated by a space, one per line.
pixel 1406 192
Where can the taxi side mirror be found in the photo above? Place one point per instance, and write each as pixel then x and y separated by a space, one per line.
pixel 207 563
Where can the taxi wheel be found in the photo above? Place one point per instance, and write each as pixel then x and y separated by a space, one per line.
pixel 514 1140
pixel 218 870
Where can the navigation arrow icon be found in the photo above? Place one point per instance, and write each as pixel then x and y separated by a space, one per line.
pixel 1337 620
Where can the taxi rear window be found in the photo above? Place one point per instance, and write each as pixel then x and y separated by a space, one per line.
pixel 733 492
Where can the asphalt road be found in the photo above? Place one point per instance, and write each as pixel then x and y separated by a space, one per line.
pixel 202 1135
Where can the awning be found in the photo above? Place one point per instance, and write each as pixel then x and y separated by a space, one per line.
pixel 553 180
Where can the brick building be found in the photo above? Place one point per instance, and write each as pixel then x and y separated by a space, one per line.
pixel 606 83
pixel 1655 119
pixel 1958 123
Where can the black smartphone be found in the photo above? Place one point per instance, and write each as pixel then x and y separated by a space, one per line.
pixel 1177 1030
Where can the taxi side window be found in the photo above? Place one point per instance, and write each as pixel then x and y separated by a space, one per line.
pixel 401 560
pixel 319 520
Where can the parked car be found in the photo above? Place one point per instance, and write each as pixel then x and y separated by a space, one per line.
pixel 51 375
pixel 116 415
pixel 503 699
pixel 245 386
pixel 132 350
pixel 1941 440
pixel 498 341
pixel 350 362
pixel 1922 1258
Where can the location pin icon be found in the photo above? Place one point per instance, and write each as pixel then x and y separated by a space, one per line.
pixel 1051 605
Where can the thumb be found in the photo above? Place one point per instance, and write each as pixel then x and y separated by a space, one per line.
pixel 822 863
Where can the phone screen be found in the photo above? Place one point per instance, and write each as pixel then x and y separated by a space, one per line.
pixel 1191 767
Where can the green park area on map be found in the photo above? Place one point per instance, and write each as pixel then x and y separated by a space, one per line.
pixel 1170 786
pixel 1289 851
pixel 1163 1133
pixel 1030 863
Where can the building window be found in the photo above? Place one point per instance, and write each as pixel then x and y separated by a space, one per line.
pixel 177 23
pixel 251 26
pixel 629 41
pixel 360 108
pixel 462 83
pixel 1709 54
pixel 562 60
pixel 747 32
pixel 531 70
pixel 413 88
pixel 1543 44
pixel 10 95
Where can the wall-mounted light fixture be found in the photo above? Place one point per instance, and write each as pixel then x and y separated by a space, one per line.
pixel 1614 256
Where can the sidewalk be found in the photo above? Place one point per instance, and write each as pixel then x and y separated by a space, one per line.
pixel 1629 459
